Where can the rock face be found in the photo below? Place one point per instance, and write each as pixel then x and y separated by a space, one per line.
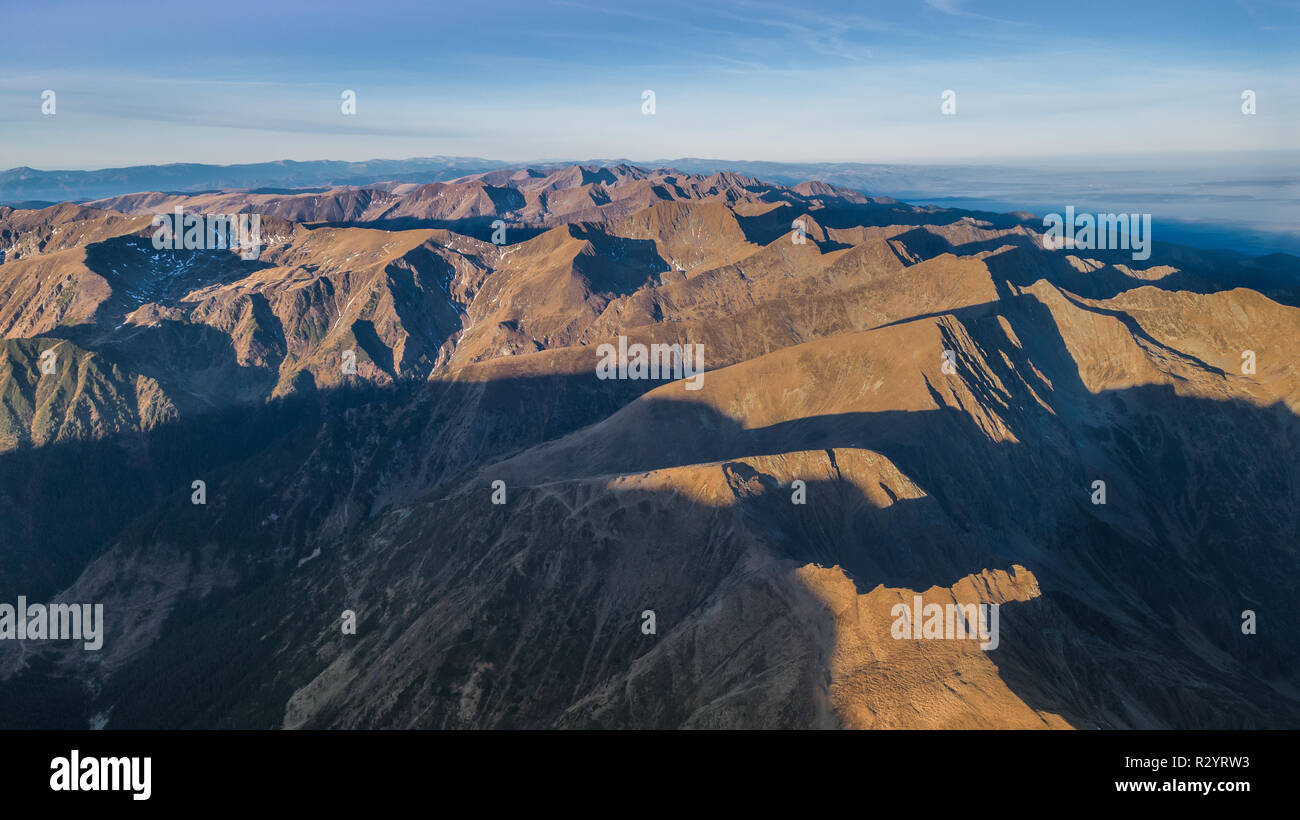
pixel 899 406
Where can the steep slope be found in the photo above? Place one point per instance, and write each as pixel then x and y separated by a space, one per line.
pixel 82 396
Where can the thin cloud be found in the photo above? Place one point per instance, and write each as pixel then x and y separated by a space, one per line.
pixel 954 8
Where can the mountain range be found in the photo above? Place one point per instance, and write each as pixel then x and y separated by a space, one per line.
pixel 897 401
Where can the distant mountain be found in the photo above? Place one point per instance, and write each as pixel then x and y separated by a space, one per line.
pixel 24 183
pixel 528 199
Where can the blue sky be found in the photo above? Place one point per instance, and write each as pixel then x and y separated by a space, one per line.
pixel 229 81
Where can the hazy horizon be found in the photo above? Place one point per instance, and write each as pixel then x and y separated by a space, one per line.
pixel 1154 160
